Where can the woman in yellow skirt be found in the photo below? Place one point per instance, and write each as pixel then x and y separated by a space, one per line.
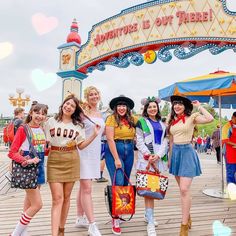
pixel 65 133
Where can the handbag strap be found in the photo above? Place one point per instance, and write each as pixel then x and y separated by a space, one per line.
pixel 29 135
pixel 149 165
pixel 114 177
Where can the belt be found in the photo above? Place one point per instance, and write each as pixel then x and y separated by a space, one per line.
pixel 124 140
pixel 63 149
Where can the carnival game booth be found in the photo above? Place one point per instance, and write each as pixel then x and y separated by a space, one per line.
pixel 219 86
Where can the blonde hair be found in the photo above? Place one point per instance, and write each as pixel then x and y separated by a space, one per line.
pixel 88 90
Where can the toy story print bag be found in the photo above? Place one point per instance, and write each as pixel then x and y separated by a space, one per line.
pixel 25 177
pixel 121 199
pixel 151 183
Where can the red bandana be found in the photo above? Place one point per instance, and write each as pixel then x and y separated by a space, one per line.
pixel 181 117
pixel 124 121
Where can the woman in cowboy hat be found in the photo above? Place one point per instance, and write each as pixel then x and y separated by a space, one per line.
pixel 184 162
pixel 119 154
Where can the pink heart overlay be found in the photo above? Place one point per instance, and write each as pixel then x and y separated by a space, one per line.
pixel 43 24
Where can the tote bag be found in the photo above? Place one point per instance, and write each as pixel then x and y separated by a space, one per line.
pixel 120 199
pixel 151 183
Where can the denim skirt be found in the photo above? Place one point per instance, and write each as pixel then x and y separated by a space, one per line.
pixel 184 161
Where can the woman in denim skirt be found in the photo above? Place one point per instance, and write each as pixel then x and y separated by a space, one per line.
pixel 119 150
pixel 184 162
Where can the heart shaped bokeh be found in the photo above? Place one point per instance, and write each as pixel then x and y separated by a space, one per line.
pixel 43 24
pixel 220 230
pixel 232 191
pixel 43 81
pixel 6 49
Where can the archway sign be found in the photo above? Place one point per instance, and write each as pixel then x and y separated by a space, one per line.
pixel 153 30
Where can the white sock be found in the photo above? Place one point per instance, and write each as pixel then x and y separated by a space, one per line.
pixel 22 225
pixel 25 232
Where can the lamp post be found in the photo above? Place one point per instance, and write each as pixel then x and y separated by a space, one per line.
pixel 19 101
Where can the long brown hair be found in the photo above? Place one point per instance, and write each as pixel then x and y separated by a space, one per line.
pixel 77 116
pixel 127 116
pixel 36 107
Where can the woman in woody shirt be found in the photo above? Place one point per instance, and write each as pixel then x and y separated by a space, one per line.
pixel 152 146
pixel 119 150
pixel 89 162
pixel 65 132
pixel 184 162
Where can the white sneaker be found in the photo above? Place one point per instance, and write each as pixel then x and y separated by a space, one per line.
pixel 93 230
pixel 146 220
pixel 81 222
pixel 151 231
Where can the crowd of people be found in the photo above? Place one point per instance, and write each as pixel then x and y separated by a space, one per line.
pixel 73 138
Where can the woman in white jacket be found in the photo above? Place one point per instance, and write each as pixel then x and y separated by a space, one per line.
pixel 152 148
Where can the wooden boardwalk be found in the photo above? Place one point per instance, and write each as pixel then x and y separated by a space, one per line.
pixel 205 210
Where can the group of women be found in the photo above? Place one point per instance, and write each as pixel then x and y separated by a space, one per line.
pixel 74 136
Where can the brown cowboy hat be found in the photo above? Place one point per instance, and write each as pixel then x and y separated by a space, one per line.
pixel 121 99
pixel 187 103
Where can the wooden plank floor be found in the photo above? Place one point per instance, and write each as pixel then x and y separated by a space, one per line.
pixel 205 210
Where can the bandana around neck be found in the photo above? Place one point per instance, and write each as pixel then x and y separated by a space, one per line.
pixel 124 121
pixel 181 117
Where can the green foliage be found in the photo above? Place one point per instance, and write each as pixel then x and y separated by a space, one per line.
pixel 166 109
pixel 205 129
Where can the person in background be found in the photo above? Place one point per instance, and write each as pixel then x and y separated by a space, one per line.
pixel 184 162
pixel 89 162
pixel 19 152
pixel 18 117
pixel 102 162
pixel 103 144
pixel 229 140
pixel 208 144
pixel 119 149
pixel 152 145
pixel 17 120
pixel 216 143
pixel 65 133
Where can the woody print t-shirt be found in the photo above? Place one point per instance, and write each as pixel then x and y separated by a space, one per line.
pixel 63 134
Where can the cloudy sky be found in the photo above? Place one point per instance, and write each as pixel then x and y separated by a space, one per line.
pixel 25 50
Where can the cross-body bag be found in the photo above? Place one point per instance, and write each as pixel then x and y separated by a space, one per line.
pixel 25 177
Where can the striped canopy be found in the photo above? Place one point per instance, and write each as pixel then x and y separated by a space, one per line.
pixel 204 88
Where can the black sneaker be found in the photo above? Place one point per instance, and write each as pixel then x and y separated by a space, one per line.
pixel 101 180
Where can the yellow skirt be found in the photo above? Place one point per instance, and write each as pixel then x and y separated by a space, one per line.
pixel 63 166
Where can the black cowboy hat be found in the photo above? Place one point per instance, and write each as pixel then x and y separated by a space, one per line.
pixel 122 99
pixel 187 103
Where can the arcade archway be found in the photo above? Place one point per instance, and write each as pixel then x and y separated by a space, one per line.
pixel 156 29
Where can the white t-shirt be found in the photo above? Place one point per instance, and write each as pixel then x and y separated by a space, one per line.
pixel 63 134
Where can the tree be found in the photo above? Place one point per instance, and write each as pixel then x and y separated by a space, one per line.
pixel 166 109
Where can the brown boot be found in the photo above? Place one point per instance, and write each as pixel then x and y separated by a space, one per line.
pixel 189 222
pixel 61 231
pixel 184 230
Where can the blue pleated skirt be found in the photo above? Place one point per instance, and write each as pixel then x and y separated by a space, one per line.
pixel 184 161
